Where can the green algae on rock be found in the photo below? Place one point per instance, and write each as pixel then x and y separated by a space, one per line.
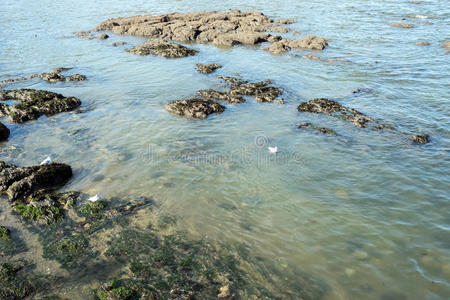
pixel 93 209
pixel 13 285
pixel 34 104
pixel 162 48
pixel 69 250
pixel 195 108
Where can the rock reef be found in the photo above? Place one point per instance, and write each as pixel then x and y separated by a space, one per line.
pixel 223 29
pixel 52 76
pixel 35 103
pixel 316 128
pixel 222 96
pixel 4 132
pixel 262 90
pixel 195 108
pixel 207 68
pixel 159 47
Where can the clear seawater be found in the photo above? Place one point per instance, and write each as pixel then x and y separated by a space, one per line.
pixel 366 211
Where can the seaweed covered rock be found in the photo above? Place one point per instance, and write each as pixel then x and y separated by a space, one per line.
pixel 195 108
pixel 207 68
pixel 93 209
pixel 35 103
pixel 317 128
pixel 52 76
pixel 69 250
pixel 4 132
pixel 262 90
pixel 421 139
pixel 334 109
pixel 13 284
pixel 162 48
pixel 223 96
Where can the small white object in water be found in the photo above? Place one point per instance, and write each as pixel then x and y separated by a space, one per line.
pixel 46 161
pixel 421 17
pixel 94 198
pixel 273 149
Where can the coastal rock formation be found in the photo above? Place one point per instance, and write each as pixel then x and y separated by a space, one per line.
pixel 309 42
pixel 446 46
pixel 262 90
pixel 162 48
pixel 115 44
pixel 223 29
pixel 317 128
pixel 423 43
pixel 52 76
pixel 35 103
pixel 207 68
pixel 334 109
pixel 195 108
pixel 223 96
pixel 4 132
pixel 103 36
pixel 401 25
pixel 421 139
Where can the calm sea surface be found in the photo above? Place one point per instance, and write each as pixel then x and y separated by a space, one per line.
pixel 366 212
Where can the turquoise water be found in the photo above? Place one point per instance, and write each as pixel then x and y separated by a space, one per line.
pixel 366 211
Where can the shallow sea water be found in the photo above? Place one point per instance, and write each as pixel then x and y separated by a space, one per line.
pixel 366 212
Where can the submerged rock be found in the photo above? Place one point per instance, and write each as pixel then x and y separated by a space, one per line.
pixel 4 132
pixel 115 44
pixel 103 36
pixel 195 108
pixel 286 21
pixel 12 284
pixel 223 96
pixel 317 128
pixel 35 103
pixel 401 25
pixel 446 46
pixel 423 43
pixel 52 76
pixel 421 139
pixel 334 109
pixel 162 48
pixel 207 68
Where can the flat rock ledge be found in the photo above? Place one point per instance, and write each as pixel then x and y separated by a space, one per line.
pixel 207 68
pixel 195 108
pixel 310 42
pixel 222 96
pixel 159 47
pixel 222 29
pixel 34 104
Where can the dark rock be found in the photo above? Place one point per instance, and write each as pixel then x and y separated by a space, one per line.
pixel 334 109
pixel 162 48
pixel 35 103
pixel 223 96
pixel 75 77
pixel 317 128
pixel 52 77
pixel 207 68
pixel 103 36
pixel 4 132
pixel 421 139
pixel 21 182
pixel 195 108
pixel 261 90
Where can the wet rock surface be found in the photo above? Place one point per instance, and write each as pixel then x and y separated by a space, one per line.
pixel 207 68
pixel 223 29
pixel 195 108
pixel 116 44
pixel 310 42
pixel 421 139
pixel 52 76
pixel 446 46
pixel 223 96
pixel 423 43
pixel 162 48
pixel 4 132
pixel 334 109
pixel 34 104
pixel 316 128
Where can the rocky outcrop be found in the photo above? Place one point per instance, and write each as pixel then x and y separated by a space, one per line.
pixel 446 46
pixel 162 48
pixel 52 76
pixel 35 103
pixel 423 43
pixel 195 108
pixel 222 96
pixel 334 109
pixel 401 25
pixel 421 139
pixel 309 42
pixel 207 68
pixel 223 29
pixel 4 132
pixel 262 90
pixel 316 128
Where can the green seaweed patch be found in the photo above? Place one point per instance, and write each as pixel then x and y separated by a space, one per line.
pixel 69 250
pixel 116 289
pixel 33 211
pixel 94 209
pixel 12 284
pixel 5 234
